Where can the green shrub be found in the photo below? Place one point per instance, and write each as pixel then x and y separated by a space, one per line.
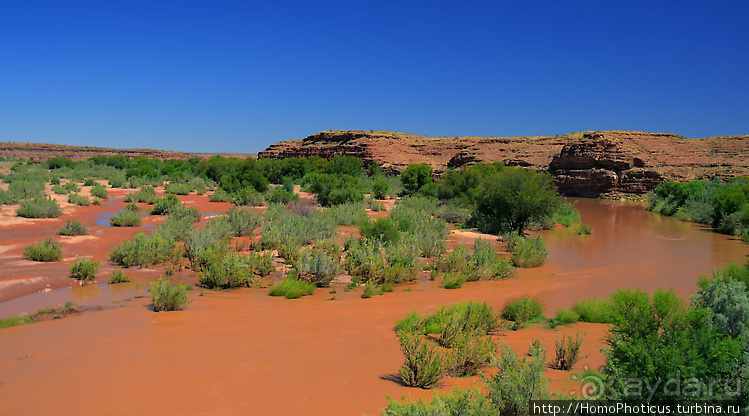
pixel 178 188
pixel 175 228
pixel 39 207
pixel 54 181
pixel 284 227
pixel 565 317
pixel 167 296
pixel 346 214
pixel 116 181
pixel 522 310
pixel 392 263
pixel 374 205
pixel 291 288
pixel 261 263
pixel 126 218
pixel 84 269
pixel 78 199
pixel 512 240
pixel 243 221
pixel 424 365
pixel 567 214
pixel 249 197
pixel 47 250
pixel 72 187
pixel 316 266
pixel 371 289
pixel 456 402
pixel 99 191
pixel 89 182
pixel 487 265
pixel 381 230
pixel 380 189
pixel 133 206
pixel 165 205
pixel 233 270
pixel 219 195
pixel 567 352
pixel 146 195
pixel 583 230
pixel 280 195
pixel 600 311
pixel 73 227
pixel 144 251
pixel 464 320
pixel 207 245
pixel 458 260
pixel 530 253
pixel 119 277
pixel 453 280
pixel 516 382
pixel 470 355
pixel 59 190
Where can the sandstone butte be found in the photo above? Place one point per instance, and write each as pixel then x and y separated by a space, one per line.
pixel 583 164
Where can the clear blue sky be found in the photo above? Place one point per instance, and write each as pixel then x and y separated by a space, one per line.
pixel 236 76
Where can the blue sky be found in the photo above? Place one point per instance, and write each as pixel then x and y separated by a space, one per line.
pixel 236 76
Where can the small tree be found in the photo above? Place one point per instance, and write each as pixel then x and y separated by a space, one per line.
pixel 415 176
pixel 514 197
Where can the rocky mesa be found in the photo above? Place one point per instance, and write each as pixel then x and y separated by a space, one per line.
pixel 583 164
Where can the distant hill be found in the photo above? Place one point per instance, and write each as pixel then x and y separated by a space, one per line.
pixel 586 163
pixel 38 152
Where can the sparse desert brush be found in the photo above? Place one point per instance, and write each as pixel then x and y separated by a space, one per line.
pixel 39 207
pixel 249 197
pixel 346 214
pixel 530 253
pixel 167 296
pixel 47 250
pixel 99 191
pixel 371 289
pixel 453 280
pixel 84 269
pixel 178 188
pixel 165 205
pixel 146 195
pixel 233 270
pixel 292 288
pixel 126 218
pixel 583 230
pixel 565 317
pixel 522 310
pixel 424 364
pixel 599 311
pixel 464 320
pixel 79 199
pixel 280 195
pixel 119 277
pixel 284 227
pixel 59 189
pixel 73 227
pixel 144 251
pixel 567 352
pixel 567 214
pixel 243 221
pixel 382 230
pixel 470 355
pixel 219 195
pixel 317 267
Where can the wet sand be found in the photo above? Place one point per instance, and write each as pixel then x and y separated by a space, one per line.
pixel 242 352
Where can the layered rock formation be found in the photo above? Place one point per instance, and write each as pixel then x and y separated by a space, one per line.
pixel 37 152
pixel 584 164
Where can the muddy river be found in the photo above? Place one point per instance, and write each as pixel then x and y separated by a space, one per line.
pixel 243 352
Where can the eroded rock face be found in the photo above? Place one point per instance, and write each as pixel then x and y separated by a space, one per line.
pixel 585 164
pixel 595 165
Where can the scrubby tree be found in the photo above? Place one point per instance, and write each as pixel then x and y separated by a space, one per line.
pixel 415 176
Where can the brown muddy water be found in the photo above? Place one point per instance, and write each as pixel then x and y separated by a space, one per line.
pixel 243 352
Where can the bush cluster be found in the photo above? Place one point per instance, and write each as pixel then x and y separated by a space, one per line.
pixel 47 250
pixel 39 207
pixel 72 227
pixel 166 296
pixel 84 269
pixel 145 251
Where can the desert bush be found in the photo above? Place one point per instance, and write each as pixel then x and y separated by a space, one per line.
pixel 530 253
pixel 175 228
pixel 206 245
pixel 393 263
pixel 119 277
pixel 316 266
pixel 146 195
pixel 99 191
pixel 464 320
pixel 59 190
pixel 470 355
pixel 380 189
pixel 284 227
pixel 144 251
pixel 565 317
pixel 126 218
pixel 280 195
pixel 84 269
pixel 89 182
pixel 219 195
pixel 199 185
pixel 346 214
pixel 249 197
pixel 72 187
pixel 487 265
pixel 424 365
pixel 567 352
pixel 73 227
pixel 453 280
pixel 454 213
pixel 243 221
pixel 233 270
pixel 522 310
pixel 79 199
pixel 39 207
pixel 132 206
pixel 372 289
pixel 165 205
pixel 261 263
pixel 457 260
pixel 47 250
pixel 583 230
pixel 374 205
pixel 517 382
pixel 291 288
pixel 167 296
pixel 567 214
pixel 178 188
pixel 116 181
pixel 184 212
pixel 456 402
pixel 381 230
pixel 54 180
pixel 600 311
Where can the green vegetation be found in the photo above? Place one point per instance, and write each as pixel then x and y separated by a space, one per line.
pixel 530 252
pixel 317 267
pixel 39 207
pixel 583 230
pixel 84 269
pixel 73 227
pixel 723 205
pixel 145 251
pixel 30 319
pixel 126 218
pixel 483 264
pixel 565 317
pixel 522 310
pixel 292 288
pixel 567 215
pixel 249 197
pixel 567 352
pixel 453 280
pixel 119 277
pixel 233 270
pixel 243 221
pixel 99 191
pixel 416 176
pixel 146 195
pixel 166 296
pixel 600 311
pixel 165 205
pixel 47 250
pixel 79 199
